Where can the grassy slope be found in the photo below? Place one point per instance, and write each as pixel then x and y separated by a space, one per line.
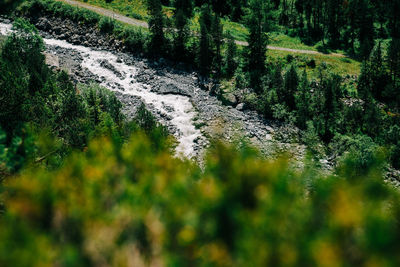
pixel 137 9
pixel 340 65
pixel 134 9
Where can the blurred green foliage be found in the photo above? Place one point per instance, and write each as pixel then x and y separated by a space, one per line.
pixel 131 205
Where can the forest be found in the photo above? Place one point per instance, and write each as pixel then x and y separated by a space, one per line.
pixel 84 184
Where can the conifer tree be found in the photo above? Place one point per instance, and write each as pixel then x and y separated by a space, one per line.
pixel 378 73
pixel 257 39
pixel 278 82
pixel 365 28
pixel 217 38
pixel 156 26
pixel 186 6
pixel 372 118
pixel 394 59
pixel 182 14
pixel 205 55
pixel 303 99
pixel 331 91
pixel 364 89
pixel 230 56
pixel 290 87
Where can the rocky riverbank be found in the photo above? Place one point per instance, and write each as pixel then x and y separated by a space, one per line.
pixel 163 77
pixel 211 118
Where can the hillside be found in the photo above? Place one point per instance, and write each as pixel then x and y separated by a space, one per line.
pixel 187 133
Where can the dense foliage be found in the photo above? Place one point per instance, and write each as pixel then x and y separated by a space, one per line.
pixel 132 206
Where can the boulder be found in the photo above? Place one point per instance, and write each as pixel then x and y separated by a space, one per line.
pixel 240 106
pixel 230 99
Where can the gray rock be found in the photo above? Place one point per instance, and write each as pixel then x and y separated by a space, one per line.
pixel 170 88
pixel 230 99
pixel 240 107
pixel 105 64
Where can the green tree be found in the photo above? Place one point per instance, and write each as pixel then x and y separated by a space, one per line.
pixel 217 40
pixel 291 82
pixel 156 26
pixel 303 99
pixel 205 56
pixel 230 57
pixel 256 51
pixel 394 59
pixel 182 14
pixel 331 87
pixel 278 82
pixel 365 25
pixel 23 77
pixel 378 72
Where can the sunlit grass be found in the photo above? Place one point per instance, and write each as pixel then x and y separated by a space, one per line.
pixel 340 65
pixel 135 9
pixel 282 40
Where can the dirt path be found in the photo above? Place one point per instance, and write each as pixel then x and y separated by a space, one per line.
pixel 140 23
pixel 311 52
pixel 108 13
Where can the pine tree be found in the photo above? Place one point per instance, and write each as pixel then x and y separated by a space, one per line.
pixel 290 87
pixel 182 34
pixel 220 7
pixel 365 28
pixel 205 49
pixel 351 25
pixel 331 90
pixel 182 14
pixel 156 26
pixel 334 20
pixel 230 57
pixel 278 83
pixel 394 59
pixel 364 89
pixel 303 98
pixel 372 118
pixel 392 91
pixel 236 9
pixel 186 6
pixel 257 39
pixel 378 73
pixel 217 38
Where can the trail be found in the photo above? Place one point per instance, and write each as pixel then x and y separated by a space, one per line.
pixel 140 23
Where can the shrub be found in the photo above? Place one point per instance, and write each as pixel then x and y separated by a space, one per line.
pixel 134 39
pixel 359 150
pixel 311 139
pixel 311 63
pixel 130 205
pixel 106 25
pixel 395 156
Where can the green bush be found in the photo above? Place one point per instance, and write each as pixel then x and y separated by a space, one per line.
pixel 311 139
pixel 134 39
pixel 395 155
pixel 130 205
pixel 359 150
pixel 106 25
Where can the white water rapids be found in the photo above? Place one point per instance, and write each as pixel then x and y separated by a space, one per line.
pixel 182 112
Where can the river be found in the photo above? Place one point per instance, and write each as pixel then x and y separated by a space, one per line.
pixel 173 96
